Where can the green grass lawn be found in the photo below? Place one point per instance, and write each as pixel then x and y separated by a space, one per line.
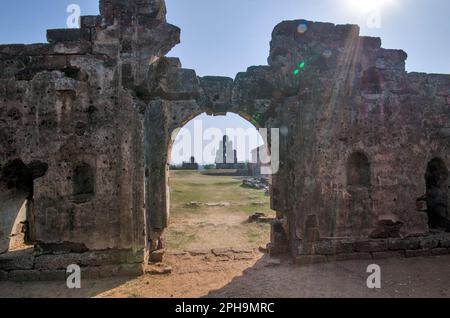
pixel 220 217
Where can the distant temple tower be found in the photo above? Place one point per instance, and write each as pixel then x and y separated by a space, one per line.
pixel 226 157
pixel 226 154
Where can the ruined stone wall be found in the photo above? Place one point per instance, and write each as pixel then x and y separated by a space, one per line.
pixel 354 96
pixel 104 97
pixel 68 103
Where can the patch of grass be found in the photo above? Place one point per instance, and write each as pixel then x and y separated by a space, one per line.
pixel 215 226
pixel 180 240
pixel 258 233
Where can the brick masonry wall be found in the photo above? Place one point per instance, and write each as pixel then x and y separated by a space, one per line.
pixel 32 265
pixel 328 250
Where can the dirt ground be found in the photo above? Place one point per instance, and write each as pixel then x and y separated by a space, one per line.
pixel 260 278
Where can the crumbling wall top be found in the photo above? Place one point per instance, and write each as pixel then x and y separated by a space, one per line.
pixel 124 11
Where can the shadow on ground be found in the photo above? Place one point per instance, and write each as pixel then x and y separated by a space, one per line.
pixel 260 277
pixel 414 277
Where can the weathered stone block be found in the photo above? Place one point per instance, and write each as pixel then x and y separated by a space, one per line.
pixel 444 241
pixel 418 253
pixel 17 260
pixel 311 235
pixel 371 246
pixel 277 249
pixel 370 43
pixel 64 35
pixel 133 258
pixel 343 247
pixel 156 256
pixel 97 258
pixel 109 49
pixel 322 248
pixel 158 269
pixel 94 258
pixel 307 248
pixel 386 229
pixel 72 48
pixel 421 205
pixel 199 252
pixel 178 84
pixel 403 244
pixel 3 276
pixel 63 248
pixel 55 262
pixel 243 257
pixel 334 247
pixel 222 251
pixel 428 242
pixel 242 250
pixel 439 251
pixel 90 21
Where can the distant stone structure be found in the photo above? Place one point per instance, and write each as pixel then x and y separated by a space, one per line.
pixel 191 165
pixel 226 158
pixel 259 158
pixel 86 122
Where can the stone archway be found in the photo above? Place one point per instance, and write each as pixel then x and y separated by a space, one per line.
pixel 207 197
pixel 163 119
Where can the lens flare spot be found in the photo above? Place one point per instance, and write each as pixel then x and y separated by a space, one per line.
pixel 327 54
pixel 302 28
pixel 284 130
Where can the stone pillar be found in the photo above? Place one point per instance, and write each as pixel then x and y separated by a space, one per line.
pixel 225 142
pixel 156 179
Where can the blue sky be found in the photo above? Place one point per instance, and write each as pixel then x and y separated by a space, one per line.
pixel 223 37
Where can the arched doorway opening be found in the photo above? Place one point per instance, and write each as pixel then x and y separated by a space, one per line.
pixel 219 194
pixel 437 197
pixel 360 220
pixel 16 203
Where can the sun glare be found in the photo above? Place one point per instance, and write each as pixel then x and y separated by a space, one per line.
pixel 365 6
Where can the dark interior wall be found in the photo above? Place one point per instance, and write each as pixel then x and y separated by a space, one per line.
pixel 437 194
pixel 16 187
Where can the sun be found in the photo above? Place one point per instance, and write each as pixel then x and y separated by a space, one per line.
pixel 365 6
